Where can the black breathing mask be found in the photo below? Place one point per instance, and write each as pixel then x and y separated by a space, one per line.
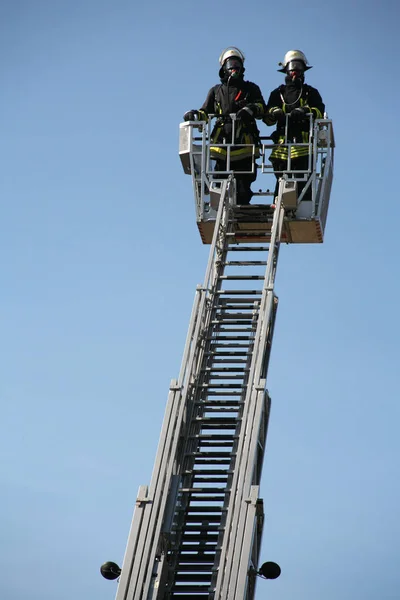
pixel 233 67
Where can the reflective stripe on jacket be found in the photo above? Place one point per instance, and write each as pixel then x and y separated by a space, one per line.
pixel 298 131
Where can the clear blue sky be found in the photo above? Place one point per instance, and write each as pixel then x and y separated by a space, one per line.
pixel 100 257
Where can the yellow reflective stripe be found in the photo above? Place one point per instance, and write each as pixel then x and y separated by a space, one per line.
pixel 317 113
pixel 295 152
pixel 217 152
pixel 203 116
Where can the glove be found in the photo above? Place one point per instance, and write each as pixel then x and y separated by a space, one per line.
pixel 299 114
pixel 246 114
pixel 278 115
pixel 191 115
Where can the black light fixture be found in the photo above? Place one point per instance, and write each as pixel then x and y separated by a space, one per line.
pixel 110 570
pixel 269 570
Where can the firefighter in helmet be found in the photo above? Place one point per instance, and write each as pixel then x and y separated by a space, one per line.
pixel 297 100
pixel 234 95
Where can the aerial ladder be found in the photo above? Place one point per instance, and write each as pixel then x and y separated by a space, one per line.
pixel 196 529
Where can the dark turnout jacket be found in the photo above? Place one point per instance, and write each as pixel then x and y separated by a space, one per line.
pixel 287 97
pixel 224 99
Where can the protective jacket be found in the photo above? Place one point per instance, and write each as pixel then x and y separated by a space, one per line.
pixel 224 99
pixel 288 97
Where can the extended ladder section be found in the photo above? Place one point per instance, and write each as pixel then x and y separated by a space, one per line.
pixel 197 528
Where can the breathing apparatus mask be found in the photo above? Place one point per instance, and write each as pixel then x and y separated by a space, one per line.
pixel 233 68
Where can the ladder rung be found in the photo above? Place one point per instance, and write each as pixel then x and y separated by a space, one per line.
pixel 195 518
pixel 227 327
pixel 225 386
pixel 229 376
pixel 234 292
pixel 211 408
pixel 217 421
pixel 251 309
pixel 210 490
pixel 209 479
pixel 212 437
pixel 209 425
pixel 216 404
pixel 233 320
pixel 201 509
pixel 248 248
pixel 206 444
pixel 179 596
pixel 212 461
pixel 222 301
pixel 222 345
pixel 207 454
pixel 241 277
pixel 193 577
pixel 208 472
pixel 245 263
pixel 229 360
pixel 199 547
pixel 211 370
pixel 226 392
pixel 238 338
pixel 227 353
pixel 220 318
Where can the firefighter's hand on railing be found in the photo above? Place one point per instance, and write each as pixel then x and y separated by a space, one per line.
pixel 245 114
pixel 191 115
pixel 277 115
pixel 300 113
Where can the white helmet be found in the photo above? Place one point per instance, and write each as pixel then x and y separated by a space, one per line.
pixel 293 55
pixel 229 53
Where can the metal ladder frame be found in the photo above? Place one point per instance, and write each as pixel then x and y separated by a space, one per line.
pixel 145 568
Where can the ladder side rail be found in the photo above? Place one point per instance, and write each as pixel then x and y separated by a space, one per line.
pixel 198 309
pixel 211 277
pixel 145 534
pixel 243 490
pixel 168 466
pixel 184 381
pixel 134 534
pixel 265 315
pixel 242 591
pixel 244 550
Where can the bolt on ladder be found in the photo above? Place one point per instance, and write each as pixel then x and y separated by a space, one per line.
pixel 196 530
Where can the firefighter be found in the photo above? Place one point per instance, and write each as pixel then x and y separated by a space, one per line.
pixel 234 95
pixel 297 100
